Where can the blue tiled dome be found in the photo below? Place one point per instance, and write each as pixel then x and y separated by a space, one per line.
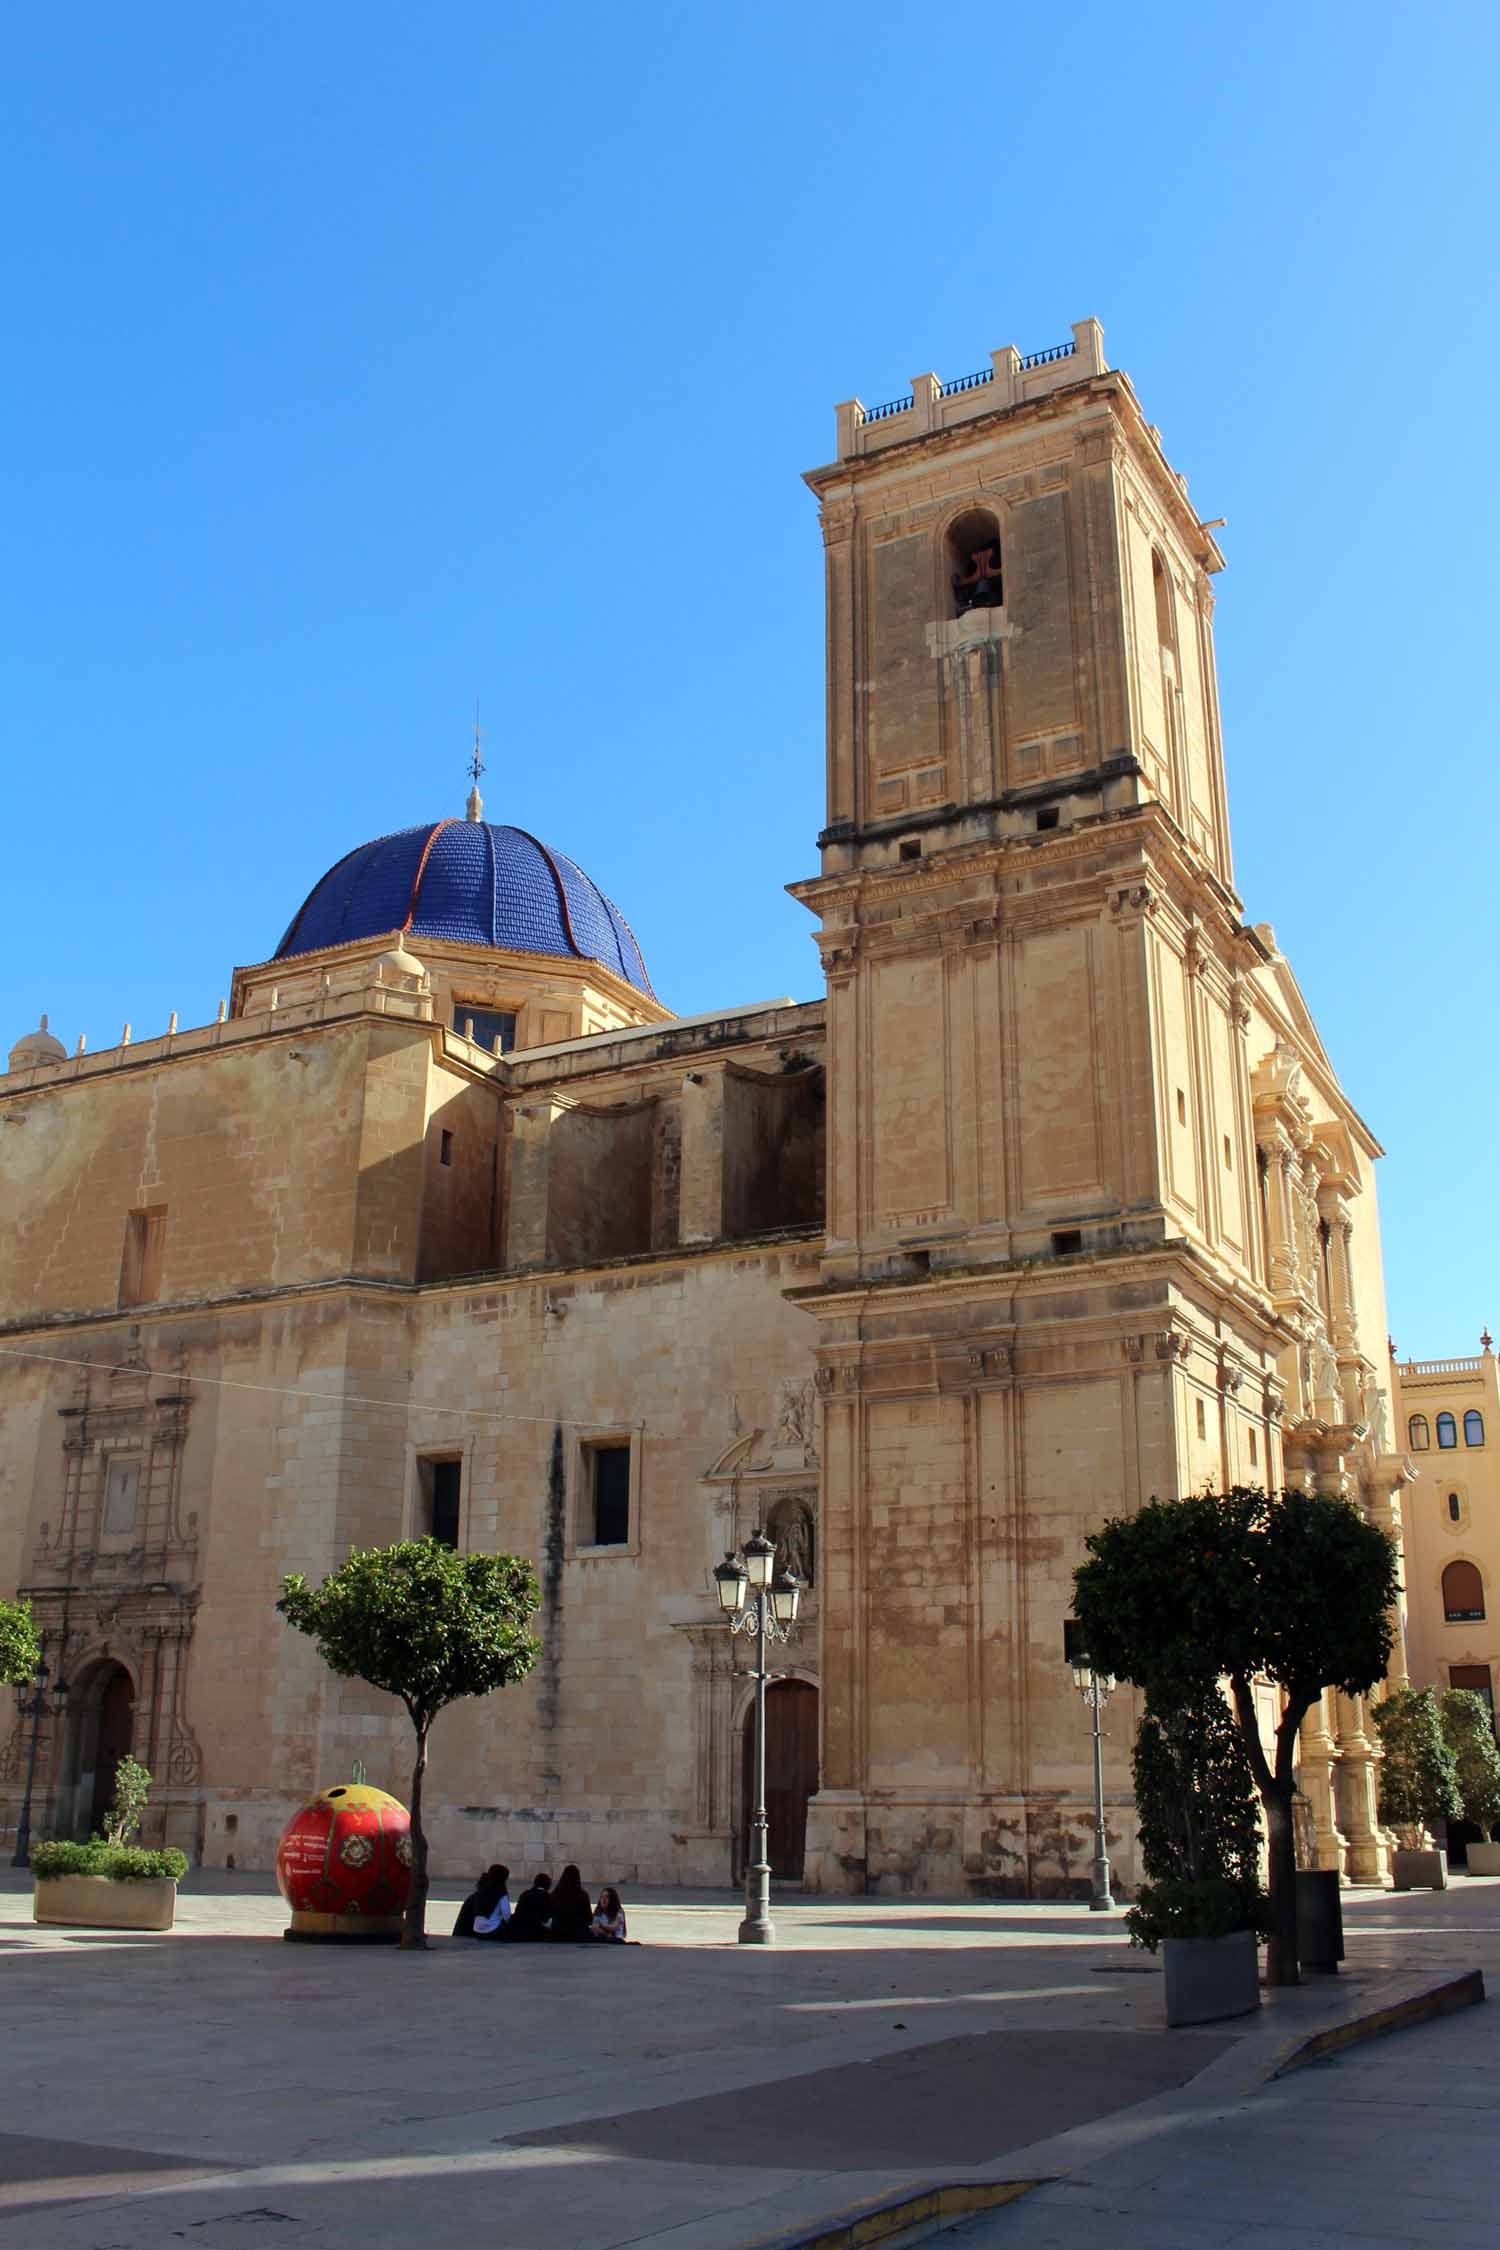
pixel 473 882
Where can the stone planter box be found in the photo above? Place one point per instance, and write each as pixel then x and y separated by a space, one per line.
pixel 1484 1859
pixel 1208 1979
pixel 1419 1871
pixel 97 1902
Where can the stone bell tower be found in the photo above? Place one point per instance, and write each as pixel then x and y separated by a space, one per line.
pixel 1042 1298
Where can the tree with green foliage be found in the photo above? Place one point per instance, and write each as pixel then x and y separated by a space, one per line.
pixel 1469 1731
pixel 132 1788
pixel 20 1643
pixel 1294 1588
pixel 1196 1816
pixel 427 1625
pixel 1418 1772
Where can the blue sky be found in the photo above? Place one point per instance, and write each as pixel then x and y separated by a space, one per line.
pixel 362 361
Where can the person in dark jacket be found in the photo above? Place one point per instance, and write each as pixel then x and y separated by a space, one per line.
pixel 572 1908
pixel 487 1906
pixel 533 1915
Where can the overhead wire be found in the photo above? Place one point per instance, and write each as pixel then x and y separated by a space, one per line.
pixel 333 1398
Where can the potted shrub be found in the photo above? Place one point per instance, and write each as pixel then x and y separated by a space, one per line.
pixel 1418 1785
pixel 1469 1731
pixel 110 1883
pixel 1201 1903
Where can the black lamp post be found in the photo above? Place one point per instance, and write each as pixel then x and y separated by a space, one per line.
pixel 31 1702
pixel 770 1616
pixel 1096 1688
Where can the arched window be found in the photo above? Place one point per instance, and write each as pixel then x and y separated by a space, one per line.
pixel 974 562
pixel 1455 1508
pixel 1473 1427
pixel 1447 1430
pixel 1463 1594
pixel 1418 1436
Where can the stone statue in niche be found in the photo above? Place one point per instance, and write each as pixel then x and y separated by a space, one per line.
pixel 980 586
pixel 791 1527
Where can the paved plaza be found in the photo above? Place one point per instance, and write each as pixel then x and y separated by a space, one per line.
pixel 219 2088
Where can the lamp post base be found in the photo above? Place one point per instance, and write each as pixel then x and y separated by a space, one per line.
pixel 1101 1902
pixel 757 1929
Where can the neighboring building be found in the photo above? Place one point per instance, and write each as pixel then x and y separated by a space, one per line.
pixel 1448 1419
pixel 1090 1219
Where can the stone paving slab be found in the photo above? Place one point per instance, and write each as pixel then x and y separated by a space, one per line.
pixel 1379 2146
pixel 368 2098
pixel 937 2109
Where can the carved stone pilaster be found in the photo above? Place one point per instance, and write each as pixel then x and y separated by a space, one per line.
pixel 1315 1773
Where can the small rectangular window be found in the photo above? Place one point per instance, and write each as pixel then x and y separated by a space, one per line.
pixel 140 1263
pixel 1067 1242
pixel 122 1482
pixel 1253 1454
pixel 485 1026
pixel 911 847
pixel 1202 1420
pixel 445 1147
pixel 1048 817
pixel 440 1491
pixel 607 1500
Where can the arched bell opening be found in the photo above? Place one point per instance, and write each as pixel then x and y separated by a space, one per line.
pixel 974 570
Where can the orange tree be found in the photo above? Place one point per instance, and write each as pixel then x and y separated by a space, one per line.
pixel 1293 1588
pixel 429 1626
pixel 20 1647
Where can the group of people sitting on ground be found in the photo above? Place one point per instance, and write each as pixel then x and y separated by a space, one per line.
pixel 562 1911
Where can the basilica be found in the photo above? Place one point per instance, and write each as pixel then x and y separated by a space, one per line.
pixel 1050 1202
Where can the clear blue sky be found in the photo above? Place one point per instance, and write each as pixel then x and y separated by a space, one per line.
pixel 362 361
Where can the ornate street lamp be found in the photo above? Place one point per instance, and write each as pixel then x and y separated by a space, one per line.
pixel 31 1702
pixel 1096 1688
pixel 770 1615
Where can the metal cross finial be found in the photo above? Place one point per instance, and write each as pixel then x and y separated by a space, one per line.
pixel 474 810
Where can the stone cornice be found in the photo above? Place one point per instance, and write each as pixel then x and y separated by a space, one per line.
pixel 378 1290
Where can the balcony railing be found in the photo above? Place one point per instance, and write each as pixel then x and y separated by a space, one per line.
pixel 1045 359
pixel 968 382
pixel 884 413
pixel 1440 1366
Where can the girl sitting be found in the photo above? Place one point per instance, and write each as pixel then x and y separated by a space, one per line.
pixel 608 1924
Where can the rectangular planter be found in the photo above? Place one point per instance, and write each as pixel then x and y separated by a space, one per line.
pixel 1484 1859
pixel 1419 1871
pixel 97 1902
pixel 1208 1979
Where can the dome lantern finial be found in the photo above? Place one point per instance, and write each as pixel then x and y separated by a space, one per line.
pixel 474 810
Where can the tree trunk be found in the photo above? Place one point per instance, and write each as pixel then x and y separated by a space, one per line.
pixel 414 1919
pixel 1276 1791
pixel 1282 1966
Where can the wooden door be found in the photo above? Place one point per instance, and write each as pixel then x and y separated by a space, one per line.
pixel 116 1727
pixel 791 1773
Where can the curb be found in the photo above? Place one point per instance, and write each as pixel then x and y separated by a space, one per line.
pixel 1418 2007
pixel 903 2218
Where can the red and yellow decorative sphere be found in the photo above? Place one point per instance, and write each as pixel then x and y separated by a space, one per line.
pixel 344 1864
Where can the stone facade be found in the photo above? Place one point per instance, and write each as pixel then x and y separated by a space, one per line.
pixel 1448 1421
pixel 1055 1203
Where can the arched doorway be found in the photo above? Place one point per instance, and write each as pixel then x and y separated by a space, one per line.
pixel 101 1729
pixel 791 1774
